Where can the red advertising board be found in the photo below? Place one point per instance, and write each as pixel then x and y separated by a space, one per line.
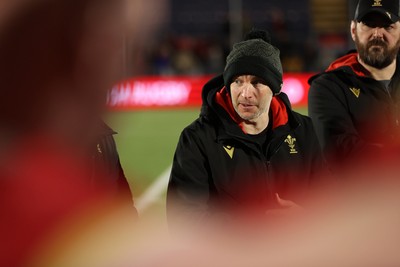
pixel 148 92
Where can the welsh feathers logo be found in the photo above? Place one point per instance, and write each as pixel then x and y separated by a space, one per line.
pixel 99 149
pixel 291 143
pixel 377 3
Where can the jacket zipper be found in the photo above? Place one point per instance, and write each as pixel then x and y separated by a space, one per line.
pixel 268 167
pixel 268 182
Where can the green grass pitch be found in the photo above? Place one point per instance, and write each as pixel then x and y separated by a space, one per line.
pixel 146 141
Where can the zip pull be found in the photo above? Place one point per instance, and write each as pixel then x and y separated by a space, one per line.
pixel 268 164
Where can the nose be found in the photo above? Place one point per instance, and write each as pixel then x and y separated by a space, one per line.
pixel 378 32
pixel 247 91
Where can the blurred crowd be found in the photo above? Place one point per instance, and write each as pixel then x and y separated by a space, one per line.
pixel 189 55
pixel 193 40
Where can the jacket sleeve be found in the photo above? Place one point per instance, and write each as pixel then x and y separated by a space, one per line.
pixel 327 107
pixel 108 163
pixel 317 158
pixel 188 188
pixel 319 174
pixel 312 172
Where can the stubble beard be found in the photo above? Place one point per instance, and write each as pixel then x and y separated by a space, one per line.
pixel 378 58
pixel 252 117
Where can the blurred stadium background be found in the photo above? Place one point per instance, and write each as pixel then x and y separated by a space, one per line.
pixel 182 43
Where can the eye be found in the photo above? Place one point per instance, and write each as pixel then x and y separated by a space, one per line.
pixel 368 25
pixel 389 27
pixel 365 25
pixel 238 81
pixel 258 82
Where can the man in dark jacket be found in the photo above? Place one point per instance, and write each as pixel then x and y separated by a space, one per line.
pixel 106 163
pixel 248 152
pixel 354 104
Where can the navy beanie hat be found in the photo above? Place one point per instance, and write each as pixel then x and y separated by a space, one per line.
pixel 255 56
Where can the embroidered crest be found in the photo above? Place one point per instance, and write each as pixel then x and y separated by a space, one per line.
pixel 99 149
pixel 377 3
pixel 291 143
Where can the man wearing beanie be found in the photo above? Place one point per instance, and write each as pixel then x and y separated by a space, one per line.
pixel 248 153
pixel 355 103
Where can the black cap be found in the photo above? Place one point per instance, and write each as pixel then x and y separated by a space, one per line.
pixel 388 8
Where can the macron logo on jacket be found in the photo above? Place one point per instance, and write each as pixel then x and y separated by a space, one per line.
pixel 355 91
pixel 229 150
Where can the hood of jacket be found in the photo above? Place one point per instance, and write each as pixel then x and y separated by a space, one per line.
pixel 348 64
pixel 104 129
pixel 217 104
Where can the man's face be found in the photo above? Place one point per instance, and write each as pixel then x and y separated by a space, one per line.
pixel 377 40
pixel 251 97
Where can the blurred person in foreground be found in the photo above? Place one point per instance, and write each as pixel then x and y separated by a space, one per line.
pixel 52 216
pixel 58 160
pixel 248 155
pixel 350 226
pixel 354 104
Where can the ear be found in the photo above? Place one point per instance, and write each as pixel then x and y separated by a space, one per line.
pixel 353 29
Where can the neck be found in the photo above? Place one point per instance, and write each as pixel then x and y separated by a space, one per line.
pixel 380 74
pixel 256 126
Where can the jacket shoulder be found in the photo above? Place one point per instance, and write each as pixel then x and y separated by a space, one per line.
pixel 332 84
pixel 302 119
pixel 325 77
pixel 306 131
pixel 200 128
pixel 343 77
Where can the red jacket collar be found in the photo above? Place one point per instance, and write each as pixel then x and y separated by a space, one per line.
pixel 278 109
pixel 349 60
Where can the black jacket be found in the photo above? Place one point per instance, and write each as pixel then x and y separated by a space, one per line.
pixel 106 165
pixel 219 168
pixel 353 114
